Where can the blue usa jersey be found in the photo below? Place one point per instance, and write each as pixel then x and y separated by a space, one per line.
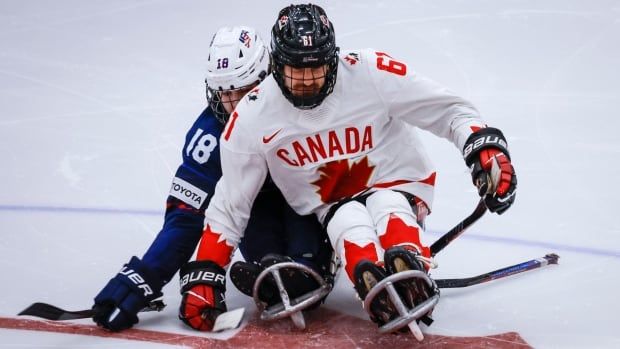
pixel 190 192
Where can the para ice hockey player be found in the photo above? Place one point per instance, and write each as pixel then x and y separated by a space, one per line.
pixel 238 60
pixel 336 132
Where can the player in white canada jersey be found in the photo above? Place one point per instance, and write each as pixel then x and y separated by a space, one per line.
pixel 336 131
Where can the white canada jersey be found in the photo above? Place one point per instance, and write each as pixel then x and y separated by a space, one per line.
pixel 361 138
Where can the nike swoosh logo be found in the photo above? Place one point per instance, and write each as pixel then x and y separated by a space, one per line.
pixel 268 139
pixel 507 197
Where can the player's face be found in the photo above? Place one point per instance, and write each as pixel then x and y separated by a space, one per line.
pixel 304 82
pixel 230 98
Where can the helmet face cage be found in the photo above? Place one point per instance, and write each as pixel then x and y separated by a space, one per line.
pixel 217 101
pixel 238 60
pixel 216 105
pixel 303 39
pixel 304 88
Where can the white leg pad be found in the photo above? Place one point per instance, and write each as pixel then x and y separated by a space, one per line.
pixel 383 203
pixel 352 222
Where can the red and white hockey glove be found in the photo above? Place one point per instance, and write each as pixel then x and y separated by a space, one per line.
pixel 203 286
pixel 486 154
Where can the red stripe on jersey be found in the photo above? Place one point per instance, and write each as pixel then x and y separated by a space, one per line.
pixel 181 206
pixel 391 184
pixel 354 253
pixel 230 125
pixel 212 249
pixel 430 180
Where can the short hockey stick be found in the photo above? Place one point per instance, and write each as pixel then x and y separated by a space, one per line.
pixel 550 258
pixel 50 312
pixel 459 229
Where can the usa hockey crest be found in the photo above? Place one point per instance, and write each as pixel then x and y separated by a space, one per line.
pixel 245 38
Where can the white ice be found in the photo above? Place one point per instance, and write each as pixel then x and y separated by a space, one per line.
pixel 95 98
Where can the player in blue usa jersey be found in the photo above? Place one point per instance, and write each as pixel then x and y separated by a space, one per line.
pixel 238 61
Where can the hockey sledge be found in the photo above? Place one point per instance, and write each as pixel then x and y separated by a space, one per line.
pixel 289 307
pixel 408 316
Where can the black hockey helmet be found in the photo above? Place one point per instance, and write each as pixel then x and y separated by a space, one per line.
pixel 303 37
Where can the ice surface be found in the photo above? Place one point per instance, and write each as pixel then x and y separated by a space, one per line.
pixel 95 98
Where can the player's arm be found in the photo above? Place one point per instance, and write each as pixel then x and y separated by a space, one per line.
pixel 422 102
pixel 243 174
pixel 117 304
pixel 419 101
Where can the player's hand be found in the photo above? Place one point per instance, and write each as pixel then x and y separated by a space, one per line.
pixel 203 286
pixel 118 303
pixel 492 172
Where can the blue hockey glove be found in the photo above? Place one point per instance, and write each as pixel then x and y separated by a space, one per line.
pixel 117 305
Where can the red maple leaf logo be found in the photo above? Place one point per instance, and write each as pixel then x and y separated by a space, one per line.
pixel 214 248
pixel 353 254
pixel 351 61
pixel 338 180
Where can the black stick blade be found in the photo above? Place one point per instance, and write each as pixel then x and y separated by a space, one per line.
pixel 50 312
pixel 552 258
